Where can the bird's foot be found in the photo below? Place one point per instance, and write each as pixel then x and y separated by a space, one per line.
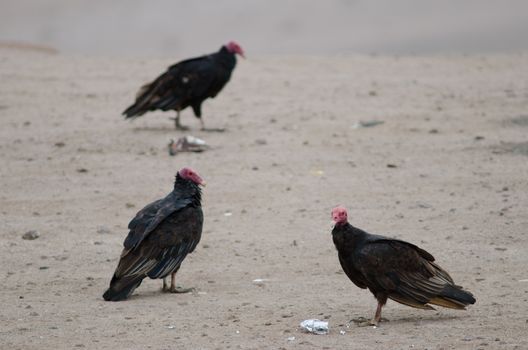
pixel 182 127
pixel 213 129
pixel 181 290
pixel 363 322
pixel 178 126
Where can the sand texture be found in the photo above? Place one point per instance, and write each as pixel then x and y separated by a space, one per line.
pixel 447 170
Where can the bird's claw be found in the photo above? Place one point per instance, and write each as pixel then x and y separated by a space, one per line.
pixel 363 322
pixel 178 126
pixel 213 129
pixel 181 290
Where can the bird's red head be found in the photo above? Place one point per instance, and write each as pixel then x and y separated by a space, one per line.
pixel 189 174
pixel 339 215
pixel 233 47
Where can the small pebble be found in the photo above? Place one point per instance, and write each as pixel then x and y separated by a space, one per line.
pixel 103 229
pixel 31 235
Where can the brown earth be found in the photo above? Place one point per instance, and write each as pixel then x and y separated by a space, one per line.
pixel 455 134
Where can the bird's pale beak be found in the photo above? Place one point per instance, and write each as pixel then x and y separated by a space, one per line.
pixel 202 183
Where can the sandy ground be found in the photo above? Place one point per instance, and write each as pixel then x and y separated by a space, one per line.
pixel 455 130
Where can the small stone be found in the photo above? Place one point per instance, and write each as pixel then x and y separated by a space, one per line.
pixel 391 165
pixel 60 144
pixel 261 142
pixel 31 235
pixel 43 268
pixel 82 170
pixel 130 205
pixel 255 168
pixel 433 131
pixel 33 313
pixel 479 138
pixel 103 229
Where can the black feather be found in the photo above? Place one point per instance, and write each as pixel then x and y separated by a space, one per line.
pixel 396 269
pixel 161 235
pixel 186 83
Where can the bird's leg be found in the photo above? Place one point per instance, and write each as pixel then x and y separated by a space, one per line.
pixel 174 289
pixel 361 322
pixel 210 129
pixel 177 122
pixel 197 109
pixel 165 287
pixel 377 316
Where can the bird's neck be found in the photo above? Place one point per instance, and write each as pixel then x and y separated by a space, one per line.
pixel 188 189
pixel 346 235
pixel 226 59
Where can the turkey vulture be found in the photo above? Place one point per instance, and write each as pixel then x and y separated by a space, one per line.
pixel 161 235
pixel 187 83
pixel 394 269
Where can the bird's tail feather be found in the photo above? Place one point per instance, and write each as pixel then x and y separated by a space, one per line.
pixel 141 105
pixel 409 302
pixel 453 297
pixel 121 288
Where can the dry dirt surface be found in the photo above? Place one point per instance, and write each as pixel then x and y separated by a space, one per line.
pixel 447 170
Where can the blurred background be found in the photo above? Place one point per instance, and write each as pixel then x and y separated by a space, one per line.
pixel 177 27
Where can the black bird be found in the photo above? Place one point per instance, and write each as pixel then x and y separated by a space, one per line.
pixel 187 83
pixel 161 235
pixel 394 269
